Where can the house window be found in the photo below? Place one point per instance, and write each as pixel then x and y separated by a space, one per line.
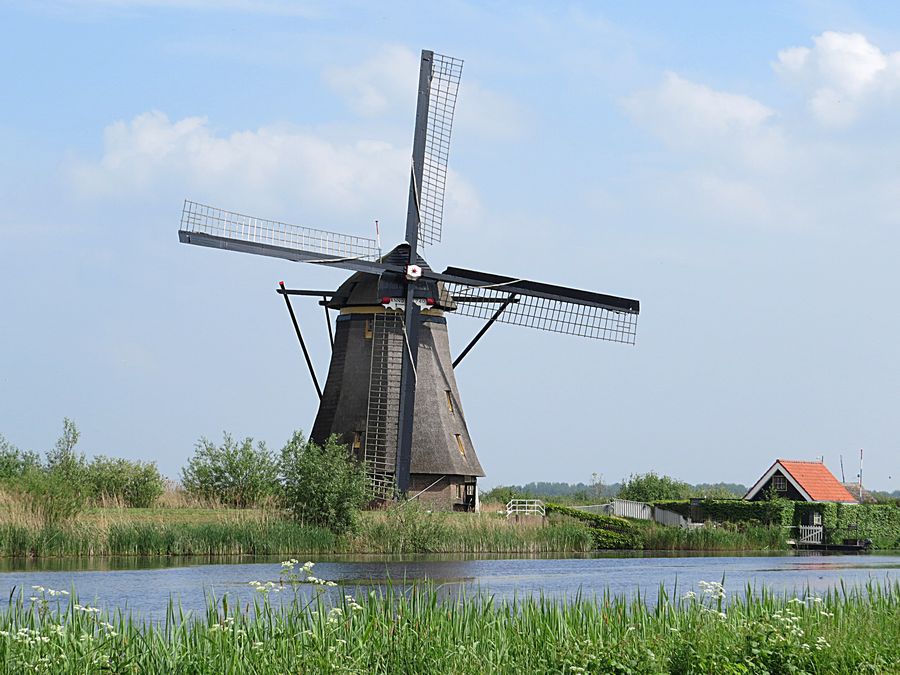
pixel 458 491
pixel 816 518
pixel 779 482
pixel 368 330
pixel 459 445
pixel 449 401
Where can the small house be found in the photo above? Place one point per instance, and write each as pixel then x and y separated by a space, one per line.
pixel 800 481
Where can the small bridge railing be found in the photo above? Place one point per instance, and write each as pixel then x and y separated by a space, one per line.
pixel 525 507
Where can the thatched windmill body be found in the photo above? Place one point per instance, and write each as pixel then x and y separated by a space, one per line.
pixel 391 394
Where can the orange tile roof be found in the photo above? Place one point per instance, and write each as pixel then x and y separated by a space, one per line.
pixel 817 480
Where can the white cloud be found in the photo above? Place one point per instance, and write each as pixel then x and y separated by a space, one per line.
pixel 375 86
pixel 263 170
pixel 842 74
pixel 698 110
pixel 693 116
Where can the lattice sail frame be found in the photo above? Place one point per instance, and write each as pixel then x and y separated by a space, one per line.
pixel 446 72
pixel 239 227
pixel 569 317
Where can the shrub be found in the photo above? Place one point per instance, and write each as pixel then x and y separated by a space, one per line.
pixel 649 487
pixel 56 493
pixel 136 484
pixel 14 462
pixel 234 473
pixel 51 496
pixel 321 484
pixel 63 459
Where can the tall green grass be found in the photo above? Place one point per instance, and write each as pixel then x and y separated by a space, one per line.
pixel 420 631
pixel 406 531
pixel 744 537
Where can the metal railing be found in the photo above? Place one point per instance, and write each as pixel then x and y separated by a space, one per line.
pixel 628 509
pixel 525 507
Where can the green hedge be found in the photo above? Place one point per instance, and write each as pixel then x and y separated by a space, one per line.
pixel 610 532
pixel 878 522
pixel 776 512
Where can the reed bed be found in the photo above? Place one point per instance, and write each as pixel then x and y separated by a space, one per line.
pixel 421 630
pixel 267 533
pixel 724 537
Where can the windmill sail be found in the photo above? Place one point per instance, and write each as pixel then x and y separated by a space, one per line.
pixel 446 72
pixel 543 306
pixel 209 226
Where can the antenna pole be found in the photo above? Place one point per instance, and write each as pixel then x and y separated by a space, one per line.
pixel 860 476
pixel 411 318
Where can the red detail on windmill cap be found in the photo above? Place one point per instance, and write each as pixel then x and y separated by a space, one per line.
pixel 429 301
pixel 385 300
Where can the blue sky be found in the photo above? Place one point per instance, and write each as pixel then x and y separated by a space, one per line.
pixel 732 165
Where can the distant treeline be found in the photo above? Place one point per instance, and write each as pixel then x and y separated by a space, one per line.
pixel 646 486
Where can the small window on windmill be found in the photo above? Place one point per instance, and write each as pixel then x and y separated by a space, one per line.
pixel 368 330
pixel 779 482
pixel 459 445
pixel 449 401
pixel 357 440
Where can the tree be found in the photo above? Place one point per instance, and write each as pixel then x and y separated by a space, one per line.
pixel 58 492
pixel 236 474
pixel 649 487
pixel 136 484
pixel 14 462
pixel 321 484
pixel 63 460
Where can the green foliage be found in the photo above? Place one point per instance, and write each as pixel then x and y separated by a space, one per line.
pixel 14 462
pixel 720 537
pixel 571 493
pixel 234 473
pixel 718 490
pixel 878 522
pixel 610 532
pixel 409 528
pixel 421 630
pixel 774 512
pixel 52 496
pixel 651 487
pixel 64 459
pixel 321 485
pixel 56 493
pixel 135 484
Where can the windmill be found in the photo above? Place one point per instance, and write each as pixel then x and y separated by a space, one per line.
pixel 391 394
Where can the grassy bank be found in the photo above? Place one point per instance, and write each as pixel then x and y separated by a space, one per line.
pixel 207 532
pixel 855 631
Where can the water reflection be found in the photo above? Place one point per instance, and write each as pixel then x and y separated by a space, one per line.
pixel 144 585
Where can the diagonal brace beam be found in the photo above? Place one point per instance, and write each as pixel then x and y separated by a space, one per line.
pixel 506 303
pixel 312 372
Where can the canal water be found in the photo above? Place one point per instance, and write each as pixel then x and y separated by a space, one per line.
pixel 144 586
